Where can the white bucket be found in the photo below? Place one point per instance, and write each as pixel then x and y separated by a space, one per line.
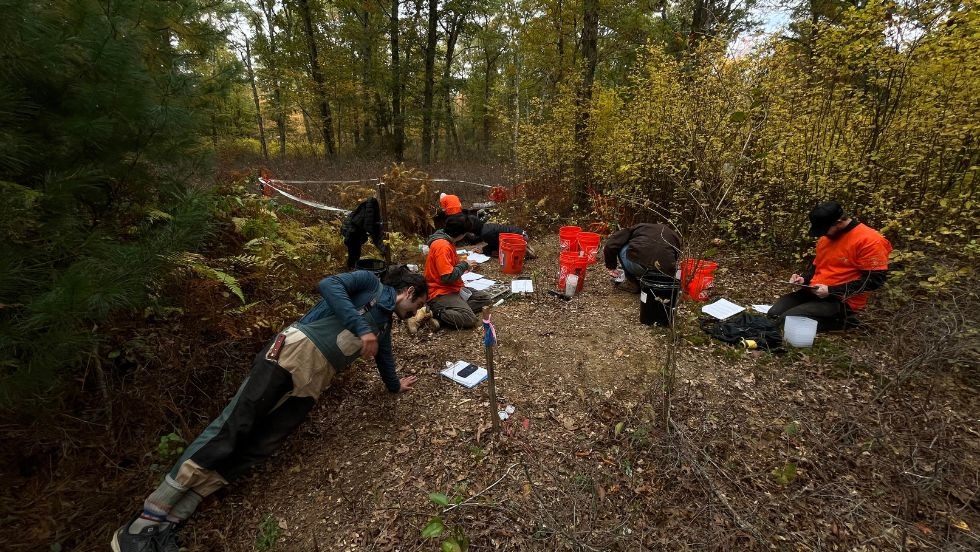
pixel 799 331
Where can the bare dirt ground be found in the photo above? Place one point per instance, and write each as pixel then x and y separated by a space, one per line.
pixel 869 475
pixel 868 441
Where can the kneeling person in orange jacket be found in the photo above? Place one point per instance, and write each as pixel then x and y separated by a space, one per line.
pixel 451 303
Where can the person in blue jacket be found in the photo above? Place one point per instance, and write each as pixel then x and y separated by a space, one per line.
pixel 353 320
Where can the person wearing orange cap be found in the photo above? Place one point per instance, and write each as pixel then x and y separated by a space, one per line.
pixel 451 205
pixel 477 229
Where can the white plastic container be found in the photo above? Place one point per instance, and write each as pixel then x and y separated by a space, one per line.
pixel 799 331
pixel 571 283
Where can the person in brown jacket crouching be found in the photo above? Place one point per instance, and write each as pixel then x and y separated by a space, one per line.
pixel 641 249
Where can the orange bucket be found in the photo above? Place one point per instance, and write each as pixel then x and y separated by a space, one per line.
pixel 569 262
pixel 696 277
pixel 588 243
pixel 568 238
pixel 507 238
pixel 512 257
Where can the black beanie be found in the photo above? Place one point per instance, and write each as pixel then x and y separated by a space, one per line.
pixel 455 226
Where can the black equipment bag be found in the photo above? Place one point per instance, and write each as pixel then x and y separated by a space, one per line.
pixel 744 326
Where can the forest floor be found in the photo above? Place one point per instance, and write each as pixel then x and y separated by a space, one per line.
pixel 867 441
pixel 779 452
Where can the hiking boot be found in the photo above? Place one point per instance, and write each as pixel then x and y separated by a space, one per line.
pixel 167 539
pixel 414 323
pixel 146 540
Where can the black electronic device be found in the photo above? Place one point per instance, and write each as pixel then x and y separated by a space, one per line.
pixel 465 372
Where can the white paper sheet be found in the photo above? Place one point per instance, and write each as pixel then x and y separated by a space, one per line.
pixel 521 286
pixel 477 257
pixel 470 381
pixel 761 308
pixel 480 285
pixel 722 309
pixel 471 276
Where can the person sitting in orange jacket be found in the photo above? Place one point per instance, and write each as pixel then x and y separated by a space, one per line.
pixel 851 261
pixel 451 304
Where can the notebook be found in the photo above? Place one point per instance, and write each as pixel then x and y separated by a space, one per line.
pixel 464 373
pixel 722 309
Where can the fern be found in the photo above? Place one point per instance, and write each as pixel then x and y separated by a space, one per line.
pixel 196 263
pixel 244 308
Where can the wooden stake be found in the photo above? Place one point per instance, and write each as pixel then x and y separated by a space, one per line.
pixel 492 387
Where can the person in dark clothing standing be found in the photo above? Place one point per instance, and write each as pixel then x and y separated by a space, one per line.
pixel 851 261
pixel 363 222
pixel 640 249
pixel 288 375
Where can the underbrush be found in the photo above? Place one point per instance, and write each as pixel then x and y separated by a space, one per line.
pixel 143 391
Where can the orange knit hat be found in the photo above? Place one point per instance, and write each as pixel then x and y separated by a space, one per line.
pixel 450 204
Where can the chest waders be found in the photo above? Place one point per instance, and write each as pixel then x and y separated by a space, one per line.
pixel 286 378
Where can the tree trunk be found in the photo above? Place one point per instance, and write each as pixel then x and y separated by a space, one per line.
pixel 699 23
pixel 396 87
pixel 430 81
pixel 279 110
pixel 590 34
pixel 382 117
pixel 247 60
pixel 560 29
pixel 307 131
pixel 486 103
pixel 326 118
pixel 367 54
pixel 451 38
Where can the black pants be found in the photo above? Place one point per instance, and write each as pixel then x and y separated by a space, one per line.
pixel 491 235
pixel 830 313
pixel 252 426
pixel 354 244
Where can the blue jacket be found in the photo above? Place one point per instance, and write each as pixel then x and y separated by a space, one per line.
pixel 345 294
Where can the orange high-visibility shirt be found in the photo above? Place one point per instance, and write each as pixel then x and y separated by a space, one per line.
pixel 442 260
pixel 842 260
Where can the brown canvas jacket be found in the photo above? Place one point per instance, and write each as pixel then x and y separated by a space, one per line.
pixel 655 246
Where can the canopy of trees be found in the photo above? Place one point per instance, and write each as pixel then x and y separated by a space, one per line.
pixel 108 111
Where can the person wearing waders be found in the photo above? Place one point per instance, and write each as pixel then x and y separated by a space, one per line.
pixel 353 320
